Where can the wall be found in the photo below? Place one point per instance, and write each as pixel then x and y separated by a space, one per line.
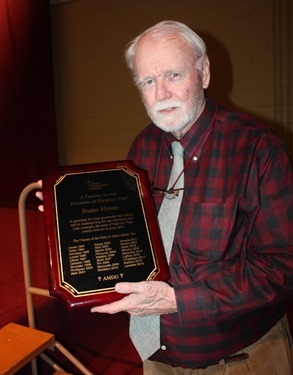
pixel 99 110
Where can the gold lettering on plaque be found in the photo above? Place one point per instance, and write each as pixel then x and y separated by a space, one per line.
pixel 104 255
pixel 78 261
pixel 133 255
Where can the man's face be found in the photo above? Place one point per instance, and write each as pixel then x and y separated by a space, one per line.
pixel 172 89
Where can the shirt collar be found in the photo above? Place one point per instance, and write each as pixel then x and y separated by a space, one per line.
pixel 194 139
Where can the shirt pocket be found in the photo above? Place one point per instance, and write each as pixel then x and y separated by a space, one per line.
pixel 209 232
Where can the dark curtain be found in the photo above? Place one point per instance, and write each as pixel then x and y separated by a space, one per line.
pixel 28 146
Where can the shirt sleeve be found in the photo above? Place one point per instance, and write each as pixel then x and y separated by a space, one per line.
pixel 261 274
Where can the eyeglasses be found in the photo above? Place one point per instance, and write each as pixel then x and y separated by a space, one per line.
pixel 171 193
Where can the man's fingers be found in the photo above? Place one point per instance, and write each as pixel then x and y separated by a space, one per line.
pixel 135 287
pixel 126 288
pixel 126 303
pixel 39 195
pixel 112 308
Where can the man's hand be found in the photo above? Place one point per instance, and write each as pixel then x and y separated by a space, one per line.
pixel 39 195
pixel 144 298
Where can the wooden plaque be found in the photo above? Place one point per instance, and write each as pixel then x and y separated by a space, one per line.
pixel 101 228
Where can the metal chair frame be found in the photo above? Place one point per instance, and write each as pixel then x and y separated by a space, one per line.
pixel 31 290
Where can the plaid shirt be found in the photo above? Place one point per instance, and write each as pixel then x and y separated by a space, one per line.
pixel 232 257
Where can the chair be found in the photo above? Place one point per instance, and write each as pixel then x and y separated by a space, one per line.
pixel 29 291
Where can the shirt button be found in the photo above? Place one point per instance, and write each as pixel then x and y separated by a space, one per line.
pixel 163 347
pixel 195 158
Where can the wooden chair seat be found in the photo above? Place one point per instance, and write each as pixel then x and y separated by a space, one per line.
pixel 19 345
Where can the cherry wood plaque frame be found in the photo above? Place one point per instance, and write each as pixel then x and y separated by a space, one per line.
pixel 101 228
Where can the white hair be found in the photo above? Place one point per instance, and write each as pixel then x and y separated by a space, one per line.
pixel 163 29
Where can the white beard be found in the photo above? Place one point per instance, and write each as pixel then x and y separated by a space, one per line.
pixel 182 117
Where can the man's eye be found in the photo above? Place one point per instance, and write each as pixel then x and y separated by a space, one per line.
pixel 146 83
pixel 149 82
pixel 173 76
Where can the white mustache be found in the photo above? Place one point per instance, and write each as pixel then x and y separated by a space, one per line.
pixel 162 106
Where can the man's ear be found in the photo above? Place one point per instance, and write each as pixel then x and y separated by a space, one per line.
pixel 206 74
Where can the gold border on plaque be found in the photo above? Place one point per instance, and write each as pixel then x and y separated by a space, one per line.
pixel 64 284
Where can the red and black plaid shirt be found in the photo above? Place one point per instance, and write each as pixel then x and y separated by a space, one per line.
pixel 232 257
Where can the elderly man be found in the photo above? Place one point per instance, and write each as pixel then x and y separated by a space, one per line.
pixel 231 256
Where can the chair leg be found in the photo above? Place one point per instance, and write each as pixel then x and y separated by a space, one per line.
pixel 72 359
pixel 50 362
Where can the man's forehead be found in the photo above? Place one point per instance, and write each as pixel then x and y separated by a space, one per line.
pixel 165 54
pixel 154 40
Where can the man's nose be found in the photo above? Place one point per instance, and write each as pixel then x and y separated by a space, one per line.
pixel 162 91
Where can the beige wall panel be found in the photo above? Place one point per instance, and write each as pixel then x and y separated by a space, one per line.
pixel 99 111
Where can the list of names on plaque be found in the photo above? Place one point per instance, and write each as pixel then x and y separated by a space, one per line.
pixel 78 259
pixel 132 254
pixel 105 255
